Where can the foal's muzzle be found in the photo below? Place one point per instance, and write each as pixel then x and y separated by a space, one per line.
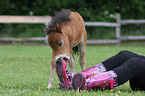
pixel 60 60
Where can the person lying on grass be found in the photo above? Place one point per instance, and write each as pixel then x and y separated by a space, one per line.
pixel 110 73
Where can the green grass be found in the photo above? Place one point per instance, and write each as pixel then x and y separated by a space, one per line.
pixel 25 70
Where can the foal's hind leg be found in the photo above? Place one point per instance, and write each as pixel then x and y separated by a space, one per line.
pixel 82 60
pixel 72 64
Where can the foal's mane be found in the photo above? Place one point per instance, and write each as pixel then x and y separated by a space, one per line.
pixel 57 21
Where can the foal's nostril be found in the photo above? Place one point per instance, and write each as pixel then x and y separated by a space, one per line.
pixel 58 61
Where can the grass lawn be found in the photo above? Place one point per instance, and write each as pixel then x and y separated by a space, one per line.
pixel 25 70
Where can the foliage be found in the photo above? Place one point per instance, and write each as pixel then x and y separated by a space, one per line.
pixel 92 10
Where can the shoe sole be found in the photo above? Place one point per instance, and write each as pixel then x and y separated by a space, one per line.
pixel 60 70
pixel 78 81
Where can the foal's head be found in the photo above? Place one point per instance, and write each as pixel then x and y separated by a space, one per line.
pixel 60 45
pixel 57 40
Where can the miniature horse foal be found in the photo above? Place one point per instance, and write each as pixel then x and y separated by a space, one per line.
pixel 65 31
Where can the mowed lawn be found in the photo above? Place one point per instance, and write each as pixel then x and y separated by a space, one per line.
pixel 25 70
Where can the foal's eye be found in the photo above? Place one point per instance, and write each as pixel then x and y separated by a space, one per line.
pixel 60 43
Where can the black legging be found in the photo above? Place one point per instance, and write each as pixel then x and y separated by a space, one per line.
pixel 128 66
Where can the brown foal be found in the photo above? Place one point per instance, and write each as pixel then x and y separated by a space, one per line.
pixel 66 31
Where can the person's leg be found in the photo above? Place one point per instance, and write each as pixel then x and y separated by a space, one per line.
pixel 133 68
pixel 119 59
pixel 110 63
pixel 107 65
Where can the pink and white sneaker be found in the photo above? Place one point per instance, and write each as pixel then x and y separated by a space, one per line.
pixel 105 80
pixel 64 75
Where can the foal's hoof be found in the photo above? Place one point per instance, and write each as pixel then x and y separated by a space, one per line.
pixel 49 86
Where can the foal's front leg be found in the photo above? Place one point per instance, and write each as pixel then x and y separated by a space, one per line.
pixel 51 74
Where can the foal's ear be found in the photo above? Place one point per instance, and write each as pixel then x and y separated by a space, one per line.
pixel 46 30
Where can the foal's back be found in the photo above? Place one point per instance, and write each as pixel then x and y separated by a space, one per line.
pixel 74 29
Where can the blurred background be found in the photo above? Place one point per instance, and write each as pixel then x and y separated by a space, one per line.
pixel 90 10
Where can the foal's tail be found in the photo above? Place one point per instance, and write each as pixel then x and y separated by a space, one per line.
pixel 75 50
